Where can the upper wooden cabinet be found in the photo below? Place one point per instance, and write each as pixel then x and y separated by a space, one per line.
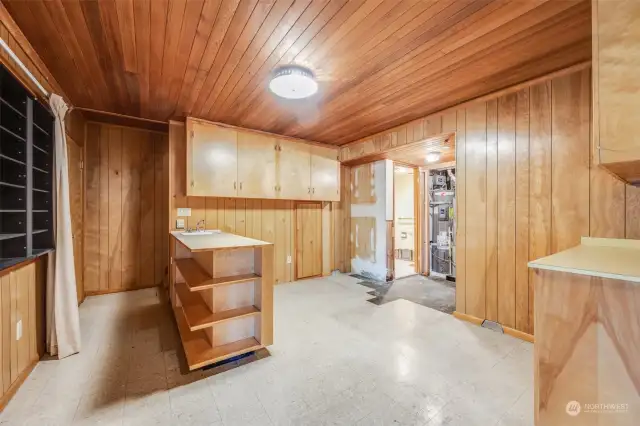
pixel 229 162
pixel 616 88
pixel 325 174
pixel 212 160
pixel 256 165
pixel 294 170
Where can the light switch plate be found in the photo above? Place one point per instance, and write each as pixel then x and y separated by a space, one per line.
pixel 180 223
pixel 288 259
pixel 184 212
pixel 19 330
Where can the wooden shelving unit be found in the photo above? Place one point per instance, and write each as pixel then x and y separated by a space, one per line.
pixel 26 166
pixel 222 295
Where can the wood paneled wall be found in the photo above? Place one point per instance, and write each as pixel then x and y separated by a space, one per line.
pixel 126 172
pixel 21 299
pixel 75 155
pixel 526 188
pixel 268 220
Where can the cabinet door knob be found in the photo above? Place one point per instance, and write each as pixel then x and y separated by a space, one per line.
pixel 309 190
pixel 313 191
pixel 240 185
pixel 234 185
pixel 192 184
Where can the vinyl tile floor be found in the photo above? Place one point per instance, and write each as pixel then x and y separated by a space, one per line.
pixel 336 360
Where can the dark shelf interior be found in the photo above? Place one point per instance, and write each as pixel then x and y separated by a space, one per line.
pixel 26 161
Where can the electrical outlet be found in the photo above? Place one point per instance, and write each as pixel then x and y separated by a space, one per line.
pixel 19 330
pixel 288 259
pixel 180 223
pixel 184 212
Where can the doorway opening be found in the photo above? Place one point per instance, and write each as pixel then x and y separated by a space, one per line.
pixel 405 247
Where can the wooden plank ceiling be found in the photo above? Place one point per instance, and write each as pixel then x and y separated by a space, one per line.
pixel 380 62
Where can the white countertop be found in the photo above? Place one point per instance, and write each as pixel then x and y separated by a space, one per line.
pixel 216 241
pixel 612 258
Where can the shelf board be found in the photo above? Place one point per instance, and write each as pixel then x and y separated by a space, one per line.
pixel 199 351
pixel 9 236
pixel 41 149
pixel 13 108
pixel 40 170
pixel 22 138
pixel 11 185
pixel 198 314
pixel 12 211
pixel 39 231
pixel 12 159
pixel 40 190
pixel 40 211
pixel 40 128
pixel 197 278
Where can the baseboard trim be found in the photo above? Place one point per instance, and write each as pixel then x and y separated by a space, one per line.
pixel 4 400
pixel 518 334
pixel 116 290
pixel 507 330
pixel 468 318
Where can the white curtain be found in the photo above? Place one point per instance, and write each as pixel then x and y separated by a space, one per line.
pixel 63 322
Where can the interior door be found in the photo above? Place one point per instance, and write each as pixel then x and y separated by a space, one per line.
pixel 256 165
pixel 212 159
pixel 325 174
pixel 308 239
pixel 76 201
pixel 294 170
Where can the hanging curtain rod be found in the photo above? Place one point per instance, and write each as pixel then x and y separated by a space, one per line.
pixel 6 47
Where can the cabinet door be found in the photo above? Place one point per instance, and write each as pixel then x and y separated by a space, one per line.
pixel 325 174
pixel 616 60
pixel 212 160
pixel 256 165
pixel 294 170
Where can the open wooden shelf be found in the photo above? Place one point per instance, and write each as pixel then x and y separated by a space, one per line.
pixel 198 314
pixel 198 350
pixel 197 278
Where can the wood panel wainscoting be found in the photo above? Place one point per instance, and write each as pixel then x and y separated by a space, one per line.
pixel 22 298
pixel 526 188
pixel 268 220
pixel 126 240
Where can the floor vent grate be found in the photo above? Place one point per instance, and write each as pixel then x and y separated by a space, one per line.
pixel 492 325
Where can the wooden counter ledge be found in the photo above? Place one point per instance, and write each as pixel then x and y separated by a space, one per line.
pixel 597 257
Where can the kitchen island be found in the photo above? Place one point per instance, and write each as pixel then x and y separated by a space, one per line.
pixel 587 335
pixel 221 291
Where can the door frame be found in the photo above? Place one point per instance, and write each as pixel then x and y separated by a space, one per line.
pixel 295 238
pixel 417 211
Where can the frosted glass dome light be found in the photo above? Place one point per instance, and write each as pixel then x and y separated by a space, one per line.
pixel 432 157
pixel 293 82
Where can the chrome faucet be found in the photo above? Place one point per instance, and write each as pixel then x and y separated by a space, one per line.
pixel 200 226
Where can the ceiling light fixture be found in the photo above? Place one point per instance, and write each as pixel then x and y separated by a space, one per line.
pixel 293 82
pixel 432 157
